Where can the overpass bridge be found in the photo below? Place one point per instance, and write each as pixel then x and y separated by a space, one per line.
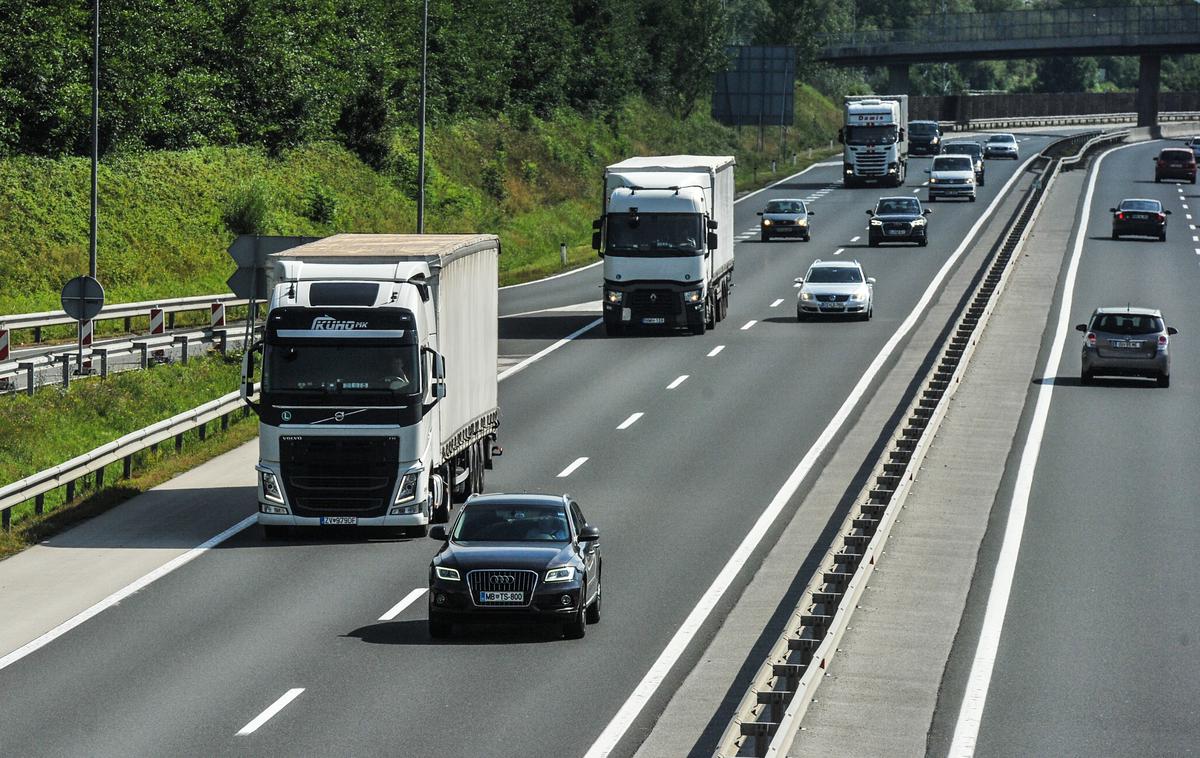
pixel 1148 32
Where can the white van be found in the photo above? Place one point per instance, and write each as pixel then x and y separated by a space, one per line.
pixel 952 176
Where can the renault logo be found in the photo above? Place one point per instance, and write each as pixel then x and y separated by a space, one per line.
pixel 653 297
pixel 505 579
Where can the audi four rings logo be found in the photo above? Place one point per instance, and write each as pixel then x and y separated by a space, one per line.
pixel 504 579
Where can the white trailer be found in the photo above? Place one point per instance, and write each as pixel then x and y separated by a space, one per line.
pixel 666 236
pixel 378 403
pixel 875 140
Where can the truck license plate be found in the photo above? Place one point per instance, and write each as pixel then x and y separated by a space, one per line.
pixel 654 320
pixel 501 597
pixel 339 520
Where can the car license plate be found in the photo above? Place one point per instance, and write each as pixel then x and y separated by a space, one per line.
pixel 826 307
pixel 1139 216
pixel 501 597
pixel 339 520
pixel 1127 344
pixel 654 320
pixel 895 232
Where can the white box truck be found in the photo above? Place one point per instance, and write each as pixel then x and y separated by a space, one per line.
pixel 666 236
pixel 875 140
pixel 378 394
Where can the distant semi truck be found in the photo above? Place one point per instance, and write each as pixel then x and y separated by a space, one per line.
pixel 666 236
pixel 378 399
pixel 874 139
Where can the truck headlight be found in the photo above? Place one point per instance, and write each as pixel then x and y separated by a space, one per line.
pixel 448 574
pixel 408 486
pixel 270 487
pixel 613 297
pixel 766 222
pixel 560 574
pixel 693 296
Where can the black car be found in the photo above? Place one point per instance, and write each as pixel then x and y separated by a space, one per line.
pixel 973 149
pixel 898 219
pixel 1140 216
pixel 516 559
pixel 924 138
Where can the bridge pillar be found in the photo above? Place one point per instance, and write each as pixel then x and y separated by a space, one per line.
pixel 1147 90
pixel 898 81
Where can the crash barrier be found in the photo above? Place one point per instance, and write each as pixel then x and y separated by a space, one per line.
pixel 985 124
pixel 67 474
pixel 769 716
pixel 36 322
pixel 965 108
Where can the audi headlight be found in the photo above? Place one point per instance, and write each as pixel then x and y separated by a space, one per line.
pixel 448 574
pixel 935 140
pixel 560 574
pixel 693 296
pixel 270 487
pixel 918 222
pixel 766 222
pixel 806 296
pixel 614 297
pixel 876 222
pixel 408 486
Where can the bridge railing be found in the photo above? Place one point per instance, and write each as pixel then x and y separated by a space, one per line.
pixel 1005 26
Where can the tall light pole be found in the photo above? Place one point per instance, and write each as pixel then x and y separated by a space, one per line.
pixel 421 128
pixel 95 131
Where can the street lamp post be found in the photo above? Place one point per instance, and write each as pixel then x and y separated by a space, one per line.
pixel 421 127
pixel 95 132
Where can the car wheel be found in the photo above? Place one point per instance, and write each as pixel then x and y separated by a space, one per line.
pixel 766 238
pixel 274 532
pixel 1116 236
pixel 1085 377
pixel 592 615
pixel 576 628
pixel 710 312
pixel 872 243
pixel 1157 180
pixel 799 315
pixel 1162 237
pixel 1193 180
pixel 807 237
pixel 440 630
pixel 972 198
pixel 924 242
pixel 1164 380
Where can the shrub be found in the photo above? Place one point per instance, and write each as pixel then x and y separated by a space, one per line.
pixel 322 205
pixel 492 180
pixel 248 208
pixel 530 171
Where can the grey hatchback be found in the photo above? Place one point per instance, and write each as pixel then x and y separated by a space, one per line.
pixel 1126 342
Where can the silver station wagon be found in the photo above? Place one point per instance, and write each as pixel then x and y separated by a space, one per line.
pixel 1126 342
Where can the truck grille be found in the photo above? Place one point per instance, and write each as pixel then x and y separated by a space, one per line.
pixel 343 476
pixel 872 164
pixel 655 302
pixel 502 580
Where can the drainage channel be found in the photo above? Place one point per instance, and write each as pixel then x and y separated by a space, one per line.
pixel 769 715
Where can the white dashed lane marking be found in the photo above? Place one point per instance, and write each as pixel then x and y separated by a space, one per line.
pixel 776 303
pixel 839 251
pixel 748 324
pixel 678 381
pixel 715 350
pixel 272 709
pixel 570 469
pixel 855 239
pixel 633 419
pixel 398 608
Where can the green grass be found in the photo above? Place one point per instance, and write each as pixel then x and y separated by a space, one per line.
pixel 167 217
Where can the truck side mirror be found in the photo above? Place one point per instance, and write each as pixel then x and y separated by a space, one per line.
pixel 712 241
pixel 438 368
pixel 248 384
pixel 439 391
pixel 597 233
pixel 596 242
pixel 712 224
pixel 902 134
pixel 842 136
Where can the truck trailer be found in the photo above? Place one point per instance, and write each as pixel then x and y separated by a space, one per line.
pixel 377 403
pixel 666 236
pixel 874 139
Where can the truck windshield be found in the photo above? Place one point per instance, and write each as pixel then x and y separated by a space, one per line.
pixel 655 233
pixel 355 367
pixel 871 135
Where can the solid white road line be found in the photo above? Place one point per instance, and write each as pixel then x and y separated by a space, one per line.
pixel 748 324
pixel 715 350
pixel 571 469
pixel 555 276
pixel 839 251
pixel 589 305
pixel 274 708
pixel 776 303
pixel 633 418
pixel 408 600
pixel 124 592
pixel 855 239
pixel 975 695
pixel 512 370
pixel 683 636
pixel 678 381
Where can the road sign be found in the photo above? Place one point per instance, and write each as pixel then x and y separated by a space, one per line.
pixel 249 252
pixel 82 298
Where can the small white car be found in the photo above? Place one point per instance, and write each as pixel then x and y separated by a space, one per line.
pixel 952 176
pixel 1001 146
pixel 835 288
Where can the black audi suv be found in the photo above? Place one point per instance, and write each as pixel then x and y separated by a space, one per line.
pixel 898 219
pixel 516 559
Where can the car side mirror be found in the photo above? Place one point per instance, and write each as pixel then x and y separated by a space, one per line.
pixel 1112 210
pixel 438 532
pixel 759 213
pixel 870 212
pixel 870 280
pixel 589 533
pixel 799 280
pixel 1081 327
pixel 1172 330
pixel 811 213
pixel 926 212
pixel 1166 212
pixel 928 171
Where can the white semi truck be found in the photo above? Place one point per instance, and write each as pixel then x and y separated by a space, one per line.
pixel 874 139
pixel 666 236
pixel 378 401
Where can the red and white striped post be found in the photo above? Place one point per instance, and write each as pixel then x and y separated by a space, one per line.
pixel 157 327
pixel 86 332
pixel 3 344
pixel 216 315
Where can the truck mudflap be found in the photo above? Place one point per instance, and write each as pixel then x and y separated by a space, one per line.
pixel 470 433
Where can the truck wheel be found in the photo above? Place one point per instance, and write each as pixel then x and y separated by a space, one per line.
pixel 972 198
pixel 710 312
pixel 724 301
pixel 440 630
pixel 479 467
pixel 613 328
pixel 274 533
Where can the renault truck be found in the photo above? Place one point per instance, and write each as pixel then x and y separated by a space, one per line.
pixel 377 397
pixel 874 140
pixel 666 236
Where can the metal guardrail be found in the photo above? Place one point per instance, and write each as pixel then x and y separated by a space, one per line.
pixel 66 474
pixel 769 715
pixel 127 311
pixel 1077 120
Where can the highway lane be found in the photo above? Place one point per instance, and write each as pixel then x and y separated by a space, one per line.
pixel 1097 654
pixel 189 661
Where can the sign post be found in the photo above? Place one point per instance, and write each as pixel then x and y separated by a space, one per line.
pixel 82 299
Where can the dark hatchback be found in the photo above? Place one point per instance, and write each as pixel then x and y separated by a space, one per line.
pixel 516 559
pixel 1142 217
pixel 924 138
pixel 898 219
pixel 1175 163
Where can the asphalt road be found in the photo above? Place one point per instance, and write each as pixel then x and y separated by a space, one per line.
pixel 1100 648
pixel 184 665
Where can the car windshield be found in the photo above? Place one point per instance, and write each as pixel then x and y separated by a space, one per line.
pixel 924 129
pixel 336 367
pixel 834 275
pixel 785 206
pixel 1152 206
pixel 897 205
pixel 512 523
pixel 1126 323
pixel 870 135
pixel 952 163
pixel 655 233
pixel 960 148
pixel 1002 138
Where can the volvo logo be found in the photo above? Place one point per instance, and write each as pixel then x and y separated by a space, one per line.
pixel 505 579
pixel 339 416
pixel 287 415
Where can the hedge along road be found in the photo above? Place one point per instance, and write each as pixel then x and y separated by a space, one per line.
pixel 202 653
